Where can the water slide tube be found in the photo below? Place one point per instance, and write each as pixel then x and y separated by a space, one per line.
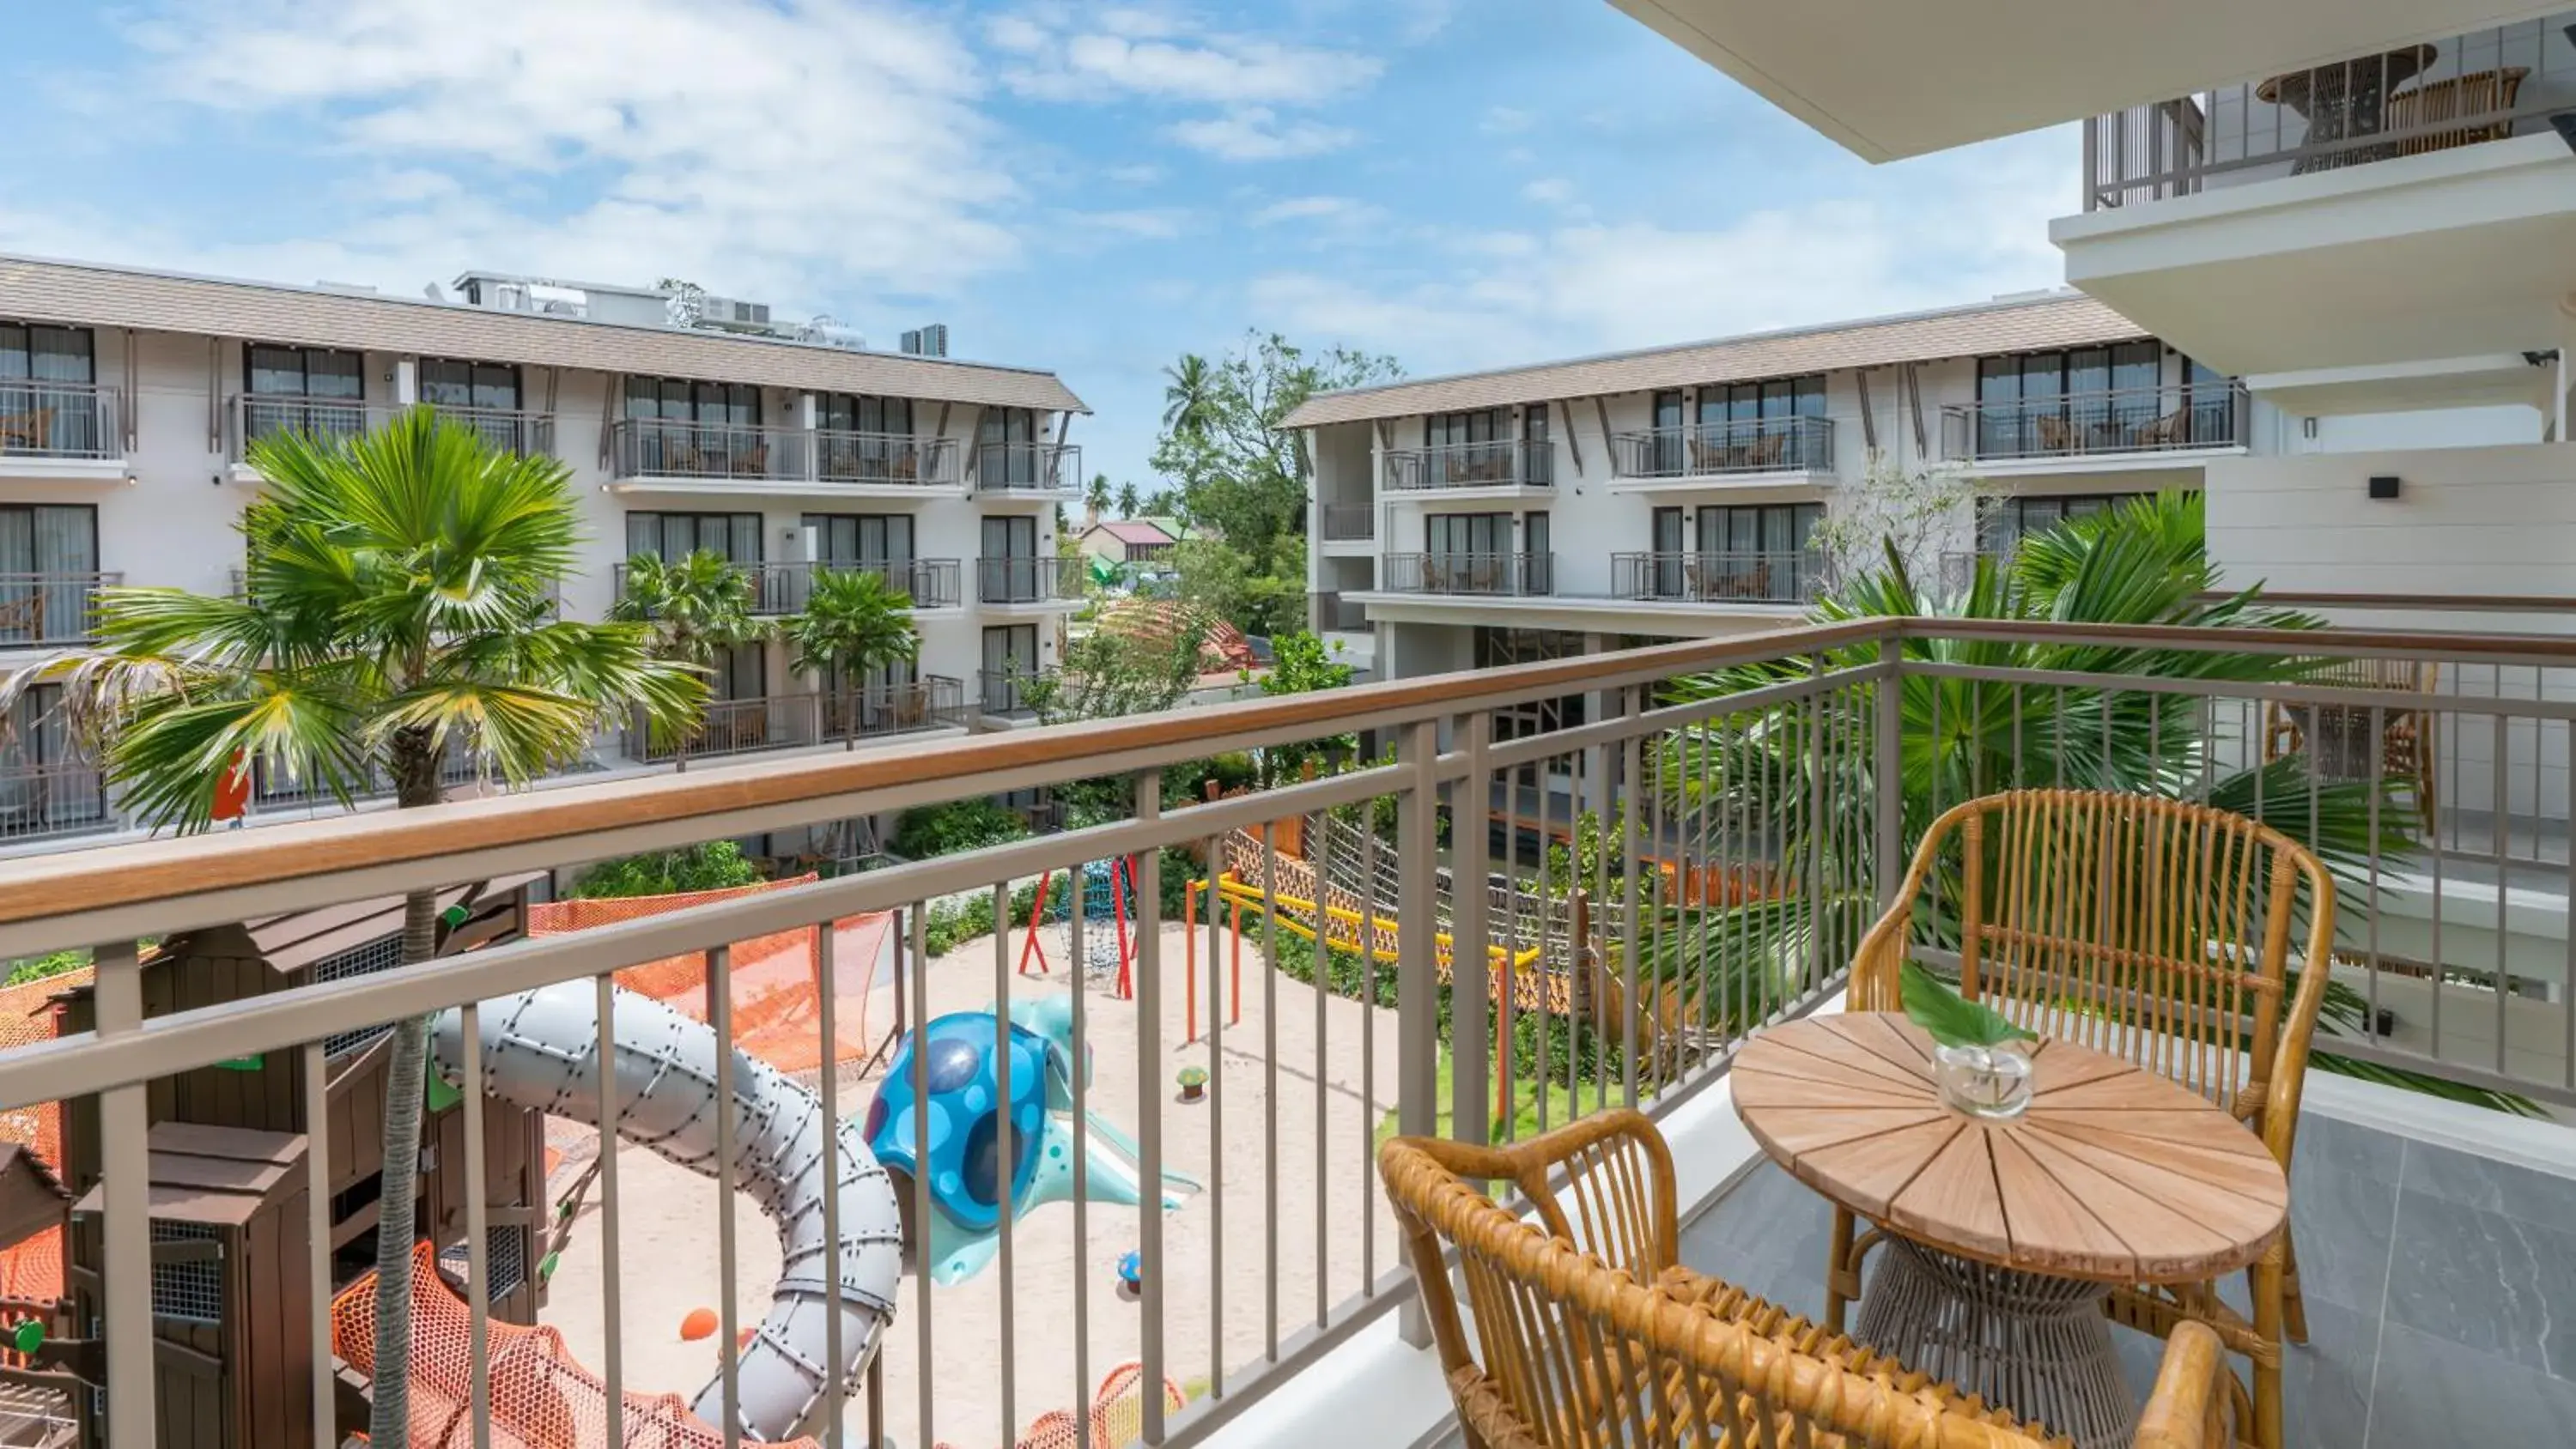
pixel 540 1052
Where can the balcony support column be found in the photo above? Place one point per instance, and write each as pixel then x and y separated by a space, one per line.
pixel 406 381
pixel 806 412
pixel 1417 983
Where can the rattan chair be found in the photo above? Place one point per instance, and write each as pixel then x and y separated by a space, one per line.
pixel 2152 929
pixel 2406 731
pixel 1592 1335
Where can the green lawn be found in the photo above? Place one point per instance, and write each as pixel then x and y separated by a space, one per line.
pixel 1560 1107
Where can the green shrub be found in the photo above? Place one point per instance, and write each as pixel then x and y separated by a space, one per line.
pixel 958 825
pixel 37 968
pixel 713 866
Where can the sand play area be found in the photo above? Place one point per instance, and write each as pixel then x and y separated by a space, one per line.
pixel 1220 1239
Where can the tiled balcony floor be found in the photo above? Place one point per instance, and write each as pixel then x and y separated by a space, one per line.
pixel 2441 1289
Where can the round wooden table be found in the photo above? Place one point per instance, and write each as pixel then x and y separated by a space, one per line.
pixel 2003 1235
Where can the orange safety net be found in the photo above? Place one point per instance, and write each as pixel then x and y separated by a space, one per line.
pixel 33 1268
pixel 777 984
pixel 541 1397
pixel 1117 1414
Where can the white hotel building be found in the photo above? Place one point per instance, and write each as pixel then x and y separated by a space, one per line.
pixel 127 399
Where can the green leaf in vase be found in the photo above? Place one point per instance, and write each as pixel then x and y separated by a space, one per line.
pixel 1952 1019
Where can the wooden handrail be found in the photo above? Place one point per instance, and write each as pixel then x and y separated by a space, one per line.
pixel 144 871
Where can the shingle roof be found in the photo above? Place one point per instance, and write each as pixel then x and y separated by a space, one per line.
pixel 2057 319
pixel 95 295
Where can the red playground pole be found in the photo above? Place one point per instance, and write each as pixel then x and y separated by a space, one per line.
pixel 1121 871
pixel 1032 946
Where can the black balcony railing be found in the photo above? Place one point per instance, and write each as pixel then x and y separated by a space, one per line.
pixel 1763 577
pixel 713 452
pixel 2090 424
pixel 40 419
pixel 1349 522
pixel 1332 611
pixel 2435 95
pixel 1029 579
pixel 60 798
pixel 1518 575
pixel 255 416
pixel 931 583
pixel 1027 467
pixel 1009 693
pixel 1722 449
pixel 887 458
pixel 801 721
pixel 1506 462
pixel 50 608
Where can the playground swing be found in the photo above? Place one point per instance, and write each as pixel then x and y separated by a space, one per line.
pixel 1108 893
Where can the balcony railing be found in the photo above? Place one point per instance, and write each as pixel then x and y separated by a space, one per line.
pixel 49 608
pixel 2460 90
pixel 1777 577
pixel 1637 982
pixel 1009 693
pixel 1332 611
pixel 1503 574
pixel 1506 462
pixel 887 458
pixel 1722 449
pixel 69 420
pixel 711 452
pixel 1025 579
pixel 254 416
pixel 1349 522
pixel 786 588
pixel 39 802
pixel 799 721
pixel 1027 467
pixel 2096 424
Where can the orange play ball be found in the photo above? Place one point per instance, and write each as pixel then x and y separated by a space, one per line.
pixel 701 1323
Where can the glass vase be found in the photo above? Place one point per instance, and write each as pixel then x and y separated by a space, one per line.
pixel 1984 1081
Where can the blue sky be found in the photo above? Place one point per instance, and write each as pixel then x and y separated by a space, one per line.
pixel 1089 187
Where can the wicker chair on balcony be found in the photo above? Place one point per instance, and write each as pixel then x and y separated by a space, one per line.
pixel 2056 435
pixel 2153 929
pixel 1766 452
pixel 1593 1335
pixel 2406 732
pixel 2488 95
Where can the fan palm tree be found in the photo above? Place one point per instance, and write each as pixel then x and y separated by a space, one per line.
pixel 854 623
pixel 397 605
pixel 694 611
pixel 1783 776
pixel 1189 396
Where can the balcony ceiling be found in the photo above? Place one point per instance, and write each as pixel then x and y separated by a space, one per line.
pixel 2460 253
pixel 1892 81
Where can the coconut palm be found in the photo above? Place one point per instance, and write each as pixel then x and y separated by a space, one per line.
pixel 396 609
pixel 1096 497
pixel 1792 778
pixel 1189 396
pixel 1127 500
pixel 854 623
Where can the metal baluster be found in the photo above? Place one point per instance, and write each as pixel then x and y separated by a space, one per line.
pixel 1148 877
pixel 720 1014
pixel 611 1262
pixel 125 1170
pixel 1004 1153
pixel 317 1241
pixel 478 1227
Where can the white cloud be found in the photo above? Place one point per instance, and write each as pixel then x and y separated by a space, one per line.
pixel 1334 209
pixel 706 129
pixel 1150 224
pixel 1549 191
pixel 1134 174
pixel 1256 133
pixel 1953 229
pixel 1122 53
pixel 1506 121
pixel 1015 33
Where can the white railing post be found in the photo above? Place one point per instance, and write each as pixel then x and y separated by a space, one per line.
pixel 1887 785
pixel 1471 976
pixel 125 1172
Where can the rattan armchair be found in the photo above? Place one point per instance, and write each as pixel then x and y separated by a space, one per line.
pixel 1592 1334
pixel 2153 929
pixel 2405 748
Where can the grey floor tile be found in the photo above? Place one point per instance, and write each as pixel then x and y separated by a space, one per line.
pixel 2485 1281
pixel 2325 1382
pixel 2346 1147
pixel 2343 1225
pixel 2432 1392
pixel 2499 1187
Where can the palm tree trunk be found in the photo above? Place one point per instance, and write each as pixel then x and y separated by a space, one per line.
pixel 414 761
